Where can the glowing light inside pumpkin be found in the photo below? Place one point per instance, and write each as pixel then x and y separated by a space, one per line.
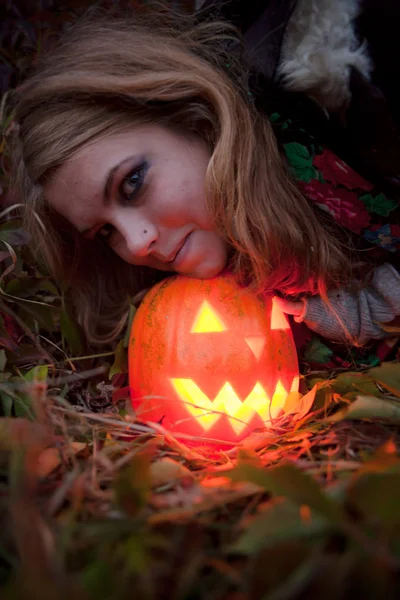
pixel 278 319
pixel 207 320
pixel 240 413
pixel 256 344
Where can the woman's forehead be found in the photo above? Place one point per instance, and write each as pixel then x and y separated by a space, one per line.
pixel 77 187
pixel 89 162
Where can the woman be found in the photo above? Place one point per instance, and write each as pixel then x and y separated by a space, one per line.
pixel 144 148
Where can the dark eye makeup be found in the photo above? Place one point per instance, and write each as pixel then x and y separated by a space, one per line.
pixel 132 184
pixel 128 192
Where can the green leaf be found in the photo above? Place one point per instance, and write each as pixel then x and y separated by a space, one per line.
pixel 388 375
pixel 377 496
pixel 136 554
pixel 379 204
pixel 37 313
pixel 98 579
pixel 23 407
pixel 3 360
pixel 274 117
pixel 132 312
pixel 13 234
pixel 120 364
pixel 291 567
pixel 368 407
pixel 355 382
pixel 132 485
pixel 28 354
pixel 38 373
pixel 71 333
pixel 300 161
pixel 28 287
pixel 287 480
pixel 7 404
pixel 278 523
pixel 317 352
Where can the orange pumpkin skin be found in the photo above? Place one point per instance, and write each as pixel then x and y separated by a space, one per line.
pixel 208 358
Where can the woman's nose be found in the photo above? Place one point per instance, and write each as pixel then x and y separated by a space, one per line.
pixel 139 234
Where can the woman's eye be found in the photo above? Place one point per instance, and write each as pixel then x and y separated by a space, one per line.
pixel 132 184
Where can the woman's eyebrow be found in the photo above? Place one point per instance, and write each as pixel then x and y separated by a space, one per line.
pixel 107 187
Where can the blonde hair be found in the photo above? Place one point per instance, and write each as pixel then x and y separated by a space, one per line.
pixel 108 73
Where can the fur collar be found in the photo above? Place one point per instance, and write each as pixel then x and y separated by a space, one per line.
pixel 319 48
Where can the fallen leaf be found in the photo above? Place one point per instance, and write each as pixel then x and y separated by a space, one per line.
pixel 255 441
pixel 70 332
pixel 377 496
pixel 132 484
pixel 317 352
pixel 20 432
pixel 120 394
pixel 388 375
pixel 279 522
pixel 47 462
pixel 368 407
pixel 3 360
pixel 292 402
pixel 301 405
pixel 120 364
pixel 289 481
pixel 389 328
pixel 388 448
pixel 355 382
pixel 78 447
pixel 166 470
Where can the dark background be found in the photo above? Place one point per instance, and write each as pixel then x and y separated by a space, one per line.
pixel 28 27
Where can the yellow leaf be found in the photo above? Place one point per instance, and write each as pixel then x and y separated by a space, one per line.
pixel 78 447
pixel 292 402
pixel 298 405
pixel 166 470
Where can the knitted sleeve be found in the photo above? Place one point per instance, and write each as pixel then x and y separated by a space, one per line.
pixel 359 314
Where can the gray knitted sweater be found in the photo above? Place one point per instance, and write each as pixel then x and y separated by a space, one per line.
pixel 360 313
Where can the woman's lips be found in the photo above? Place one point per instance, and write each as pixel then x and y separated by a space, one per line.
pixel 182 253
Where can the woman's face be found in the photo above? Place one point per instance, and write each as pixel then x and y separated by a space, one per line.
pixel 143 192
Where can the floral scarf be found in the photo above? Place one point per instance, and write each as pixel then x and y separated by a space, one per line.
pixel 335 187
pixel 358 206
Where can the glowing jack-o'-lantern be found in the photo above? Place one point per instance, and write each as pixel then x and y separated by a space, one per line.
pixel 208 358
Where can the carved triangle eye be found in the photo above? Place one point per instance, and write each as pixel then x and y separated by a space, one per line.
pixel 256 344
pixel 278 318
pixel 207 320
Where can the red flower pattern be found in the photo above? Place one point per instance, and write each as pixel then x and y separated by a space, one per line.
pixel 336 171
pixel 344 206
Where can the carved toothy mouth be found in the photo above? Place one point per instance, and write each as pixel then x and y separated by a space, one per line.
pixel 208 412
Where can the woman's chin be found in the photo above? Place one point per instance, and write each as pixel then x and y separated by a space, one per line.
pixel 208 270
pixel 205 257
